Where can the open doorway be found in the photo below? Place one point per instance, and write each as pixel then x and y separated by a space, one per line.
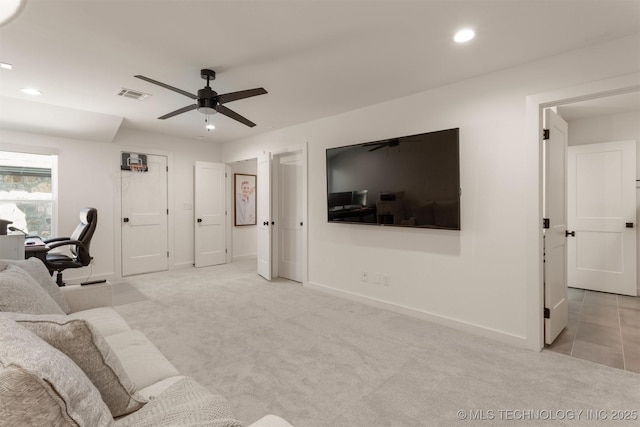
pixel 281 201
pixel 601 326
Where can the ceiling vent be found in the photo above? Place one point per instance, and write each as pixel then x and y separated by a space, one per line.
pixel 133 94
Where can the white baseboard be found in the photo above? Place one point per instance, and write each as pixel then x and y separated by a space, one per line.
pixel 244 257
pixel 180 265
pixel 501 336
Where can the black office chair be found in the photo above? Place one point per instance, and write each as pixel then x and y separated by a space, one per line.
pixel 78 243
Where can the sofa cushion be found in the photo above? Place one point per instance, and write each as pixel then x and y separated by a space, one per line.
pixel 26 399
pixel 155 389
pixel 104 319
pixel 140 358
pixel 24 353
pixel 83 344
pixel 21 294
pixel 185 403
pixel 38 271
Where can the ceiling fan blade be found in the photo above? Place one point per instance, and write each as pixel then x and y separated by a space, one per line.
pixel 179 111
pixel 234 96
pixel 166 86
pixel 235 116
pixel 379 146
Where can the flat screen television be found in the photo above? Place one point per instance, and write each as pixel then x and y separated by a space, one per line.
pixel 409 181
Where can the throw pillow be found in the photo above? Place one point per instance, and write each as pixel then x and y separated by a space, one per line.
pixel 21 391
pixel 36 269
pixel 69 386
pixel 83 344
pixel 20 293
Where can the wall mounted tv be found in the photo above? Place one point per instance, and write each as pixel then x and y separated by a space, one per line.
pixel 410 181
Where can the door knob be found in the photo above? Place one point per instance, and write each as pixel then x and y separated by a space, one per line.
pixel 265 223
pixel 300 223
pixel 125 219
pixel 629 225
pixel 199 220
pixel 570 233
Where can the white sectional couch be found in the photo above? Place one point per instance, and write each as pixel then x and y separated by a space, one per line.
pixel 68 358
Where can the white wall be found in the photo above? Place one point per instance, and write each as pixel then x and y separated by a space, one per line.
pixel 89 175
pixel 614 127
pixel 476 278
pixel 245 238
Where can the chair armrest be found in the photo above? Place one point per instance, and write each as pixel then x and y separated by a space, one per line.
pixel 64 243
pixel 271 421
pixel 90 296
pixel 55 239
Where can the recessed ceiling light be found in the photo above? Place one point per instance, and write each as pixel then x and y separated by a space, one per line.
pixel 30 91
pixel 464 35
pixel 6 66
pixel 9 9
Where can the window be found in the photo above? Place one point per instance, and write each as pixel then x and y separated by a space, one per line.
pixel 27 191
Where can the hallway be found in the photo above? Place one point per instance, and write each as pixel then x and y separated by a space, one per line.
pixel 603 328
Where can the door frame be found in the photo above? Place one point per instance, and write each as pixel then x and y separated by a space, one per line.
pixel 275 194
pixel 533 186
pixel 117 205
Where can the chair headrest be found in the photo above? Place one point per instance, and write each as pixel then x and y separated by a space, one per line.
pixel 88 215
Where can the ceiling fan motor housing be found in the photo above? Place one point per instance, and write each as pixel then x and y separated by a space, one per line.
pixel 207 100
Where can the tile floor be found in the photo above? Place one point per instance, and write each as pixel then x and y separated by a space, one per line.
pixel 603 328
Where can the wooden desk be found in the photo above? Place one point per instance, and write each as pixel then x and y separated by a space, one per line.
pixel 35 247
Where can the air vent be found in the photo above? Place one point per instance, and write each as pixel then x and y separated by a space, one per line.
pixel 133 94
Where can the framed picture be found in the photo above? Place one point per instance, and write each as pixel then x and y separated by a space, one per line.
pixel 245 188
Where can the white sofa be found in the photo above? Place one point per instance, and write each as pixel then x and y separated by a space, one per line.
pixel 68 358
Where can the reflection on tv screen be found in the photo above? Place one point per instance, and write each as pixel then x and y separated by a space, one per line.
pixel 410 181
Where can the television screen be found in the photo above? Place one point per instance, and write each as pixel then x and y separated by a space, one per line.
pixel 410 181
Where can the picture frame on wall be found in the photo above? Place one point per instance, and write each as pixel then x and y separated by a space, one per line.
pixel 245 200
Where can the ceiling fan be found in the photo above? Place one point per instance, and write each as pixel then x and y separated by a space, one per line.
pixel 388 143
pixel 208 101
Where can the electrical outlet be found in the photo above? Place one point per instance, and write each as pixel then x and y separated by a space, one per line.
pixel 386 280
pixel 364 276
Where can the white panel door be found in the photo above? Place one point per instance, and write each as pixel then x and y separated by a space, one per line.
pixel 290 212
pixel 263 198
pixel 144 218
pixel 555 251
pixel 210 214
pixel 602 213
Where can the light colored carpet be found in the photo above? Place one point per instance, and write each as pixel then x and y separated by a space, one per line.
pixel 318 360
pixel 126 293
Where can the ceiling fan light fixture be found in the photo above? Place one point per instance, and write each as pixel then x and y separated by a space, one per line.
pixel 210 126
pixel 207 110
pixel 9 9
pixel 207 102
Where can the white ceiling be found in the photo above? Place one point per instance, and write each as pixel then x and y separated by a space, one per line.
pixel 315 58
